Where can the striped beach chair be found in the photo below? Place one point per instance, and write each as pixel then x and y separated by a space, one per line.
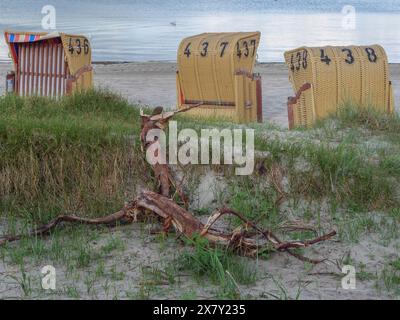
pixel 49 64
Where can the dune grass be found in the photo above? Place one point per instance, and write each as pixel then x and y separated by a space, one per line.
pixel 73 155
pixel 352 158
pixel 81 155
pixel 369 118
pixel 220 265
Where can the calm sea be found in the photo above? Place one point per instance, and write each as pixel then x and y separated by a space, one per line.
pixel 151 30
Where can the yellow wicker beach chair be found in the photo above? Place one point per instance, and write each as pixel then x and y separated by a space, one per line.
pixel 216 69
pixel 324 78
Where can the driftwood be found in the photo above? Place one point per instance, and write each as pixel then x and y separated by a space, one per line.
pixel 241 240
pixel 124 215
pixel 159 120
pixel 248 239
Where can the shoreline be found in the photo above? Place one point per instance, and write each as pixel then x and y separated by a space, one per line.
pixel 112 62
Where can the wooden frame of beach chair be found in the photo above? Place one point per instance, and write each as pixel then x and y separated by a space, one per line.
pixel 325 78
pixel 50 64
pixel 216 69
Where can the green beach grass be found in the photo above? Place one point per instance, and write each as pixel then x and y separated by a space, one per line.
pixel 74 155
pixel 81 155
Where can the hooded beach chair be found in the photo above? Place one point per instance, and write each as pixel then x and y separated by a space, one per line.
pixel 49 64
pixel 216 69
pixel 325 78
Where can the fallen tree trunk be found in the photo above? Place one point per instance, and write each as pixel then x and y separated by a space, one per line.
pixel 126 215
pixel 185 223
pixel 241 240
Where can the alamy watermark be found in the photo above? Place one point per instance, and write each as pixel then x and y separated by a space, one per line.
pixel 49 278
pixel 349 18
pixel 186 147
pixel 349 280
pixel 49 19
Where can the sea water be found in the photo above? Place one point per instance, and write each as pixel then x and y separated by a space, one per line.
pixel 122 30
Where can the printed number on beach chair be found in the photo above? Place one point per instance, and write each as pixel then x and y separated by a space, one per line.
pixel 49 64
pixel 326 78
pixel 216 69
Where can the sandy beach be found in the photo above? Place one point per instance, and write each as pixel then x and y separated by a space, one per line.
pixel 153 83
pixel 118 260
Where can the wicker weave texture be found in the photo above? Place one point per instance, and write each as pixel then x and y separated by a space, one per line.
pixel 216 69
pixel 339 75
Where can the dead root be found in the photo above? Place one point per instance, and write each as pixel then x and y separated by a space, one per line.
pixel 247 240
pixel 242 240
pixel 124 215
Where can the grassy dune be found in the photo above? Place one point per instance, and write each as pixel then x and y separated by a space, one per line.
pixel 81 155
pixel 74 155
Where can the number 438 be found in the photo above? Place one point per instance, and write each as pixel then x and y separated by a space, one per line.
pixel 349 56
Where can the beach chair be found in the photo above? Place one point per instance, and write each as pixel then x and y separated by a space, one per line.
pixel 325 78
pixel 216 69
pixel 48 64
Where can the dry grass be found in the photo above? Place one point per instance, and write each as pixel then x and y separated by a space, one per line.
pixel 75 155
